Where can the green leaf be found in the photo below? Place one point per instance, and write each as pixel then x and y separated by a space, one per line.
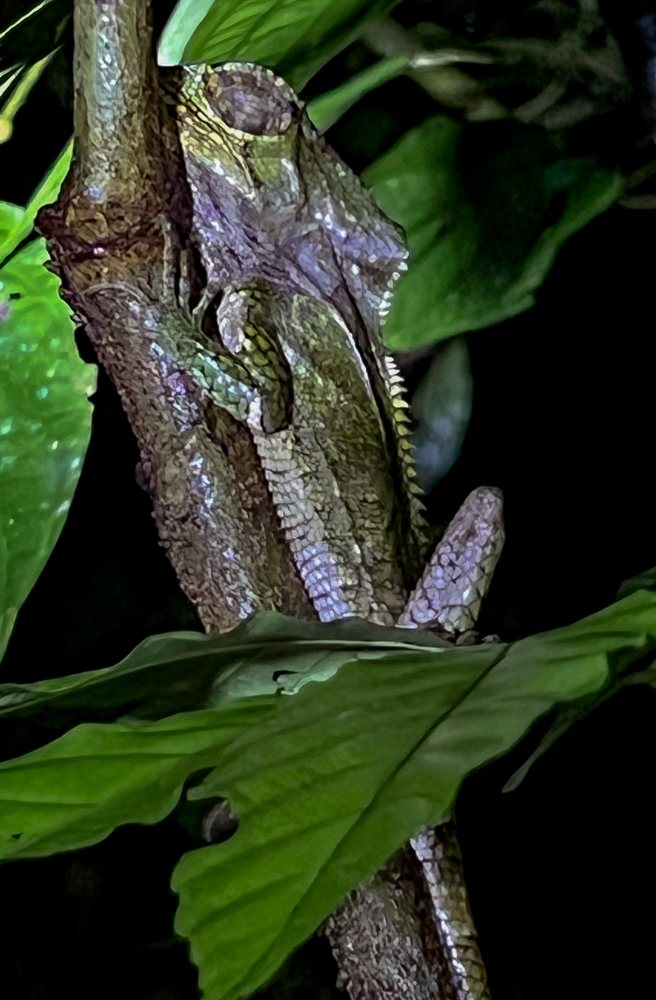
pixel 485 208
pixel 29 31
pixel 183 24
pixel 79 788
pixel 293 36
pixel 162 675
pixel 643 581
pixel 47 191
pixel 179 671
pixel 11 217
pixel 45 421
pixel 326 784
pixel 328 787
pixel 325 110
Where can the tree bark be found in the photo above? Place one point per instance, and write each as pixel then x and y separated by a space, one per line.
pixel 118 238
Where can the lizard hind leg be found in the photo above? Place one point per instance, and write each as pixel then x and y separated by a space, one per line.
pixel 449 595
pixel 250 337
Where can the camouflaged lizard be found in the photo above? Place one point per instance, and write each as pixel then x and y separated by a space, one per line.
pixel 300 266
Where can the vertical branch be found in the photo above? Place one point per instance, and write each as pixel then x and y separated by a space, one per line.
pixel 117 237
pixel 385 939
pixel 116 102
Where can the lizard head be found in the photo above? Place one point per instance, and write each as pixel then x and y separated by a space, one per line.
pixel 260 172
pixel 240 122
pixel 239 114
pixel 241 99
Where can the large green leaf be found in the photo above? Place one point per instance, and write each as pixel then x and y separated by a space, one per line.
pixel 326 784
pixel 328 787
pixel 76 790
pixel 179 671
pixel 44 420
pixel 485 209
pixel 293 36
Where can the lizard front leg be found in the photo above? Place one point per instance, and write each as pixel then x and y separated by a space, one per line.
pixel 308 506
pixel 327 465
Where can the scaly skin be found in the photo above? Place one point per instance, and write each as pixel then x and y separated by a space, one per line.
pixel 451 590
pixel 302 258
pixel 442 963
pixel 319 468
pixel 449 597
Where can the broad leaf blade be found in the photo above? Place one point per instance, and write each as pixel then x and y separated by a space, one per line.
pixel 293 36
pixel 45 420
pixel 174 671
pixel 333 783
pixel 79 788
pixel 98 776
pixel 485 209
pixel 180 671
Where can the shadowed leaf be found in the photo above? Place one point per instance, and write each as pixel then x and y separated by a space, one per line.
pixel 45 420
pixel 333 783
pixel 79 788
pixel 485 210
pixel 295 37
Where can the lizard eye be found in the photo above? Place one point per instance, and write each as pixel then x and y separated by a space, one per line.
pixel 253 102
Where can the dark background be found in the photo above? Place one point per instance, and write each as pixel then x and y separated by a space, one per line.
pixel 561 871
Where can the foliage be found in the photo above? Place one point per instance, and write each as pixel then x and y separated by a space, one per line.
pixel 485 213
pixel 333 744
pixel 294 36
pixel 45 415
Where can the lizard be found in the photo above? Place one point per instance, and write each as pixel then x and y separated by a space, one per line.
pixel 299 270
pixel 279 222
pixel 300 267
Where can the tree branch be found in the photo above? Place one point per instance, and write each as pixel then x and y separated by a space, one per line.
pixel 118 238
